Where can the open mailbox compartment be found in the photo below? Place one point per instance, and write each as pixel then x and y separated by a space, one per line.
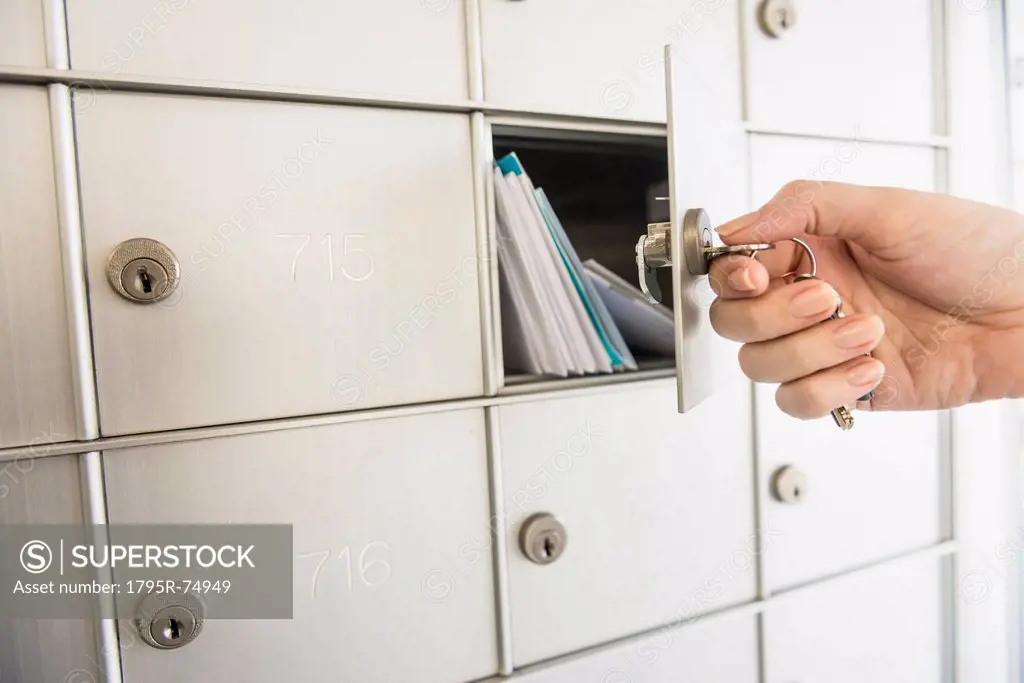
pixel 604 188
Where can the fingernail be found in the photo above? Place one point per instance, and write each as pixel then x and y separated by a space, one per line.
pixel 736 224
pixel 741 280
pixel 858 333
pixel 868 372
pixel 813 302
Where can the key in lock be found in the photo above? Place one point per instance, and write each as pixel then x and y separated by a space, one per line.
pixel 654 250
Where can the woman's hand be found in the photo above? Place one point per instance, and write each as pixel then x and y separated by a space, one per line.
pixel 932 286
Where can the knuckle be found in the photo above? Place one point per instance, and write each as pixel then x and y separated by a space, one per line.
pixel 715 314
pixel 789 188
pixel 716 280
pixel 749 357
pixel 755 325
pixel 802 400
pixel 813 399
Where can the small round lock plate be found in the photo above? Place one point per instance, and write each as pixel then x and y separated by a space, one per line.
pixel 696 241
pixel 789 485
pixel 542 538
pixel 143 270
pixel 167 621
pixel 776 16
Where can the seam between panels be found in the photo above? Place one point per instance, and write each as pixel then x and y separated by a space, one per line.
pixel 474 50
pixel 484 262
pixel 499 554
pixel 73 261
pixel 94 510
pixel 55 34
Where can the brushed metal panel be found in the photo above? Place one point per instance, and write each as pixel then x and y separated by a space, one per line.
pixel 392 575
pixel 22 40
pixel 328 259
pixel 657 506
pixel 405 48
pixel 44 491
pixel 36 392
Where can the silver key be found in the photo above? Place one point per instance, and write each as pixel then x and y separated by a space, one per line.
pixel 842 415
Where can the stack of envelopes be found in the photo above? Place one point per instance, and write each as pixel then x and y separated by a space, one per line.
pixel 555 313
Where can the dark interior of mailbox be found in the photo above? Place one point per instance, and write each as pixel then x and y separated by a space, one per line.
pixel 601 186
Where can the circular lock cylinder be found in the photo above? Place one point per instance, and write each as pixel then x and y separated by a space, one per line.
pixel 167 621
pixel 777 16
pixel 789 485
pixel 697 241
pixel 143 270
pixel 542 538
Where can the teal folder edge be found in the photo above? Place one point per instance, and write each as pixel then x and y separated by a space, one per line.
pixel 572 263
pixel 510 164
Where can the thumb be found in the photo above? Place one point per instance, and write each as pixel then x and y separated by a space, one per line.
pixel 812 207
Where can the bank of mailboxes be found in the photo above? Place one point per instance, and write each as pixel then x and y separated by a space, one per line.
pixel 253 260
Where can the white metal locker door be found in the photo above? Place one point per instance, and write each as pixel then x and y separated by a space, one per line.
pixel 724 652
pixel 407 49
pixel 878 490
pixel 657 508
pixel 605 57
pixel 392 574
pixel 328 258
pixel 45 491
pixel 843 67
pixel 22 41
pixel 886 625
pixel 36 390
pixel 707 170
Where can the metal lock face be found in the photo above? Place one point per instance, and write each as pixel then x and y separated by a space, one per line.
pixel 168 622
pixel 542 538
pixel 143 270
pixel 777 16
pixel 789 485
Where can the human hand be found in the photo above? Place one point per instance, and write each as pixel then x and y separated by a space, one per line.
pixel 932 286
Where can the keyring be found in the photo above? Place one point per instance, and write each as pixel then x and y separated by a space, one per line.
pixel 810 254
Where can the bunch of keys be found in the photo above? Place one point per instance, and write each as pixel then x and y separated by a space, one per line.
pixel 654 251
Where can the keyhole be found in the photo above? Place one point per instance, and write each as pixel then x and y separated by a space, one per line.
pixel 173 630
pixel 549 547
pixel 782 16
pixel 796 492
pixel 145 281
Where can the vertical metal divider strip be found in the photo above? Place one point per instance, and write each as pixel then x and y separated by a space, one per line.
pixel 76 303
pixel 474 50
pixel 485 253
pixel 94 510
pixel 948 462
pixel 948 529
pixel 76 299
pixel 492 255
pixel 499 555
pixel 55 30
pixel 763 592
